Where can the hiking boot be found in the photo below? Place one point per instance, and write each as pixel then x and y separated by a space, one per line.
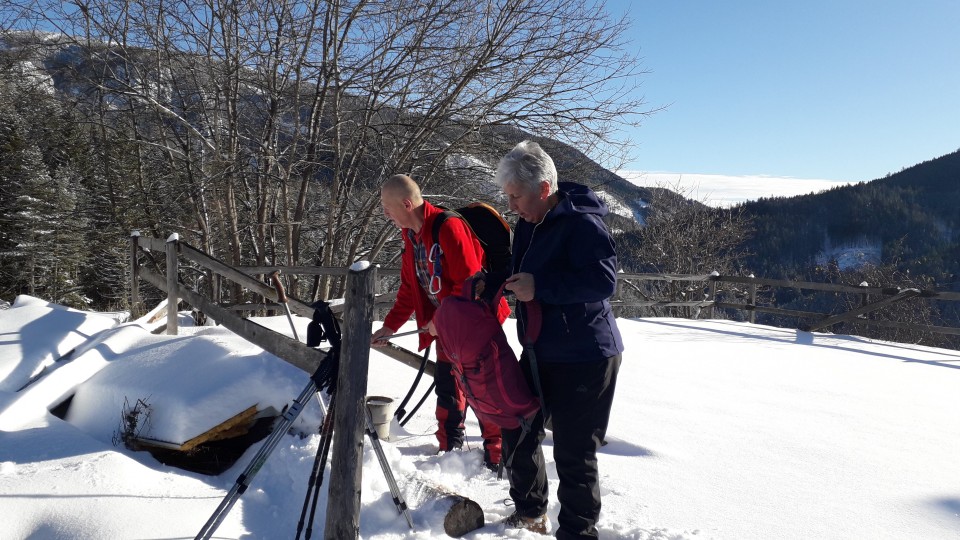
pixel 538 525
pixel 454 448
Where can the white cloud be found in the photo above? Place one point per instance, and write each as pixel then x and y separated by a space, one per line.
pixel 724 191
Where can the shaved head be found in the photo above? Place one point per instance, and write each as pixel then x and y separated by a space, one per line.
pixel 400 187
pixel 402 202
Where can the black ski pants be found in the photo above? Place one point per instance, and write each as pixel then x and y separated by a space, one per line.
pixel 578 398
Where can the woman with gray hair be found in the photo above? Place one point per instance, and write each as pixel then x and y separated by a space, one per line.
pixel 565 260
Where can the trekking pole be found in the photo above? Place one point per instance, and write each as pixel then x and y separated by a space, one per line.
pixel 419 403
pixel 316 475
pixel 398 500
pixel 401 409
pixel 282 298
pixel 410 333
pixel 243 481
pixel 324 377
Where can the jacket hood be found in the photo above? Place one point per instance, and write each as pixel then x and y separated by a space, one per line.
pixel 579 199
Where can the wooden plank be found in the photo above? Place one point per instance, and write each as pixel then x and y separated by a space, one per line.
pixel 281 346
pixel 152 244
pixel 771 310
pixel 153 278
pixel 667 277
pixel 225 270
pixel 311 270
pixel 853 313
pixel 407 357
pixel 790 284
pixel 297 306
pixel 910 326
pixel 661 303
pixel 234 426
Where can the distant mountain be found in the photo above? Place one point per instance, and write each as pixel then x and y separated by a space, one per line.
pixel 909 219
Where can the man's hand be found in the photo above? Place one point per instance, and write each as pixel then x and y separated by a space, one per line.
pixel 522 285
pixel 432 328
pixel 379 338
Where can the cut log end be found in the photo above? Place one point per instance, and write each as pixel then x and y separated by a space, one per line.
pixel 464 516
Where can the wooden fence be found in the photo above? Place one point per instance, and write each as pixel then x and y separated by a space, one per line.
pixel 741 294
pixel 357 314
pixel 677 292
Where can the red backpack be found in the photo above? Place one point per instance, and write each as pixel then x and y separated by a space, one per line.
pixel 483 360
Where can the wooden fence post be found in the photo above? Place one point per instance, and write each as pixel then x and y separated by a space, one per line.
pixel 216 287
pixel 172 283
pixel 714 278
pixel 343 506
pixel 134 276
pixel 753 301
pixel 377 290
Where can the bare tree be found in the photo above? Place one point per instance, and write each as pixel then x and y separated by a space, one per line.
pixel 683 236
pixel 266 126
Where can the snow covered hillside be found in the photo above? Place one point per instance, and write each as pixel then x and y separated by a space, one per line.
pixel 720 430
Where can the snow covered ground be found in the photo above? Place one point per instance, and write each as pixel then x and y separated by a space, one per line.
pixel 720 430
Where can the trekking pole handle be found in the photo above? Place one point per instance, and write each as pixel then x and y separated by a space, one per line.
pixel 278 285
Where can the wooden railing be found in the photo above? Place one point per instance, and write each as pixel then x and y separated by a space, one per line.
pixel 678 292
pixel 715 290
pixel 356 312
pixel 686 295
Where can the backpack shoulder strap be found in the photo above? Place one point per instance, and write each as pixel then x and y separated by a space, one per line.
pixel 439 221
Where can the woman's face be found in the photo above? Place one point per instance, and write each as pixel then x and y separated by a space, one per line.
pixel 530 205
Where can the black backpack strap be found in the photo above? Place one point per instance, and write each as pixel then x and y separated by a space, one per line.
pixel 439 221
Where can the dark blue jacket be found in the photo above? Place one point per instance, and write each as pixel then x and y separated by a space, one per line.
pixel 574 264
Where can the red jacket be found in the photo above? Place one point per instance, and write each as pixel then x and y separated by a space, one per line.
pixel 462 258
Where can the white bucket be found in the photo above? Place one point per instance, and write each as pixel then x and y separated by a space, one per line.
pixel 381 411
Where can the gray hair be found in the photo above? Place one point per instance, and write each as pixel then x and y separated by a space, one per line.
pixel 527 165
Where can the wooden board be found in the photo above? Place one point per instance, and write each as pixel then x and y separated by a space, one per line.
pixel 234 426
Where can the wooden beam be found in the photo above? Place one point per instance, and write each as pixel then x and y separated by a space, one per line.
pixel 661 303
pixel 311 270
pixel 407 357
pixel 234 426
pixel 843 317
pixel 263 289
pixel 667 277
pixel 154 278
pixel 910 326
pixel 771 310
pixel 152 244
pixel 283 347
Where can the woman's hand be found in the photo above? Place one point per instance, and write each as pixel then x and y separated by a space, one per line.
pixel 522 285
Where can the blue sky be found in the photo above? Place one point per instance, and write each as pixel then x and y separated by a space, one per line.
pixel 844 90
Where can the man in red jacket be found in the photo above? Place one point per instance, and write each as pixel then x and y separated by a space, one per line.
pixel 431 270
